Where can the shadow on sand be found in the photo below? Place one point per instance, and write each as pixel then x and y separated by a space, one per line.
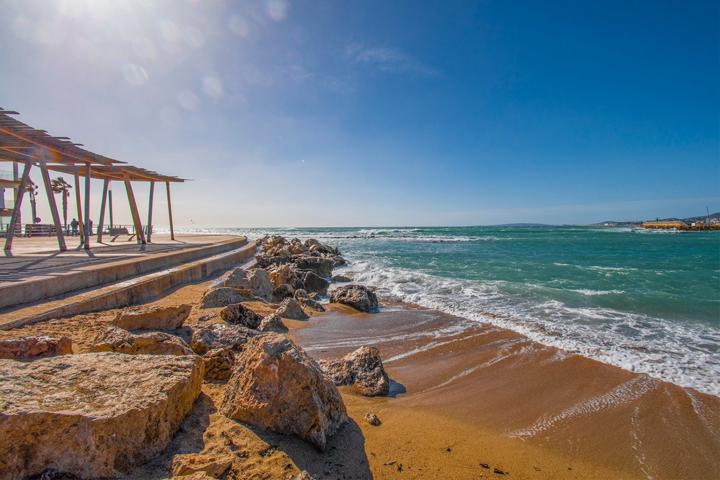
pixel 344 456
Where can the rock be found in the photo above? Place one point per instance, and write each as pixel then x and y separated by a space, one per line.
pixel 224 296
pixel 92 415
pixel 304 299
pixel 195 476
pixel 277 386
pixel 118 340
pixel 206 338
pixel 239 314
pixel 304 475
pixel 372 419
pixel 341 279
pixel 362 368
pixel 356 296
pixel 313 245
pixel 153 317
pixel 272 323
pixel 256 280
pixel 319 265
pixel 338 261
pixel 219 364
pixel 283 291
pixel 314 283
pixel 27 348
pixel 212 465
pixel 290 308
pixel 285 274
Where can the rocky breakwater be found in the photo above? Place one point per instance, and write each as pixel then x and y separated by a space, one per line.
pixel 91 415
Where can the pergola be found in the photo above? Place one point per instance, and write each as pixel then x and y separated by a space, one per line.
pixel 22 144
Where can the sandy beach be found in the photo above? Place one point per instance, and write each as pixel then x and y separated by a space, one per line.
pixel 467 401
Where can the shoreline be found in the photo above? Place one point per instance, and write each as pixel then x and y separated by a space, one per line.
pixel 467 400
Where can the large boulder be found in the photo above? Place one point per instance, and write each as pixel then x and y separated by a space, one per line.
pixel 341 279
pixel 320 265
pixel 219 364
pixel 217 335
pixel 356 296
pixel 28 348
pixel 224 296
pixel 114 339
pixel 283 291
pixel 362 368
pixel 272 323
pixel 312 282
pixel 290 308
pixel 256 280
pixel 153 317
pixel 285 274
pixel 93 415
pixel 277 386
pixel 306 301
pixel 239 314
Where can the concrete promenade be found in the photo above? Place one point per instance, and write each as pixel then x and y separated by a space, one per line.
pixel 38 283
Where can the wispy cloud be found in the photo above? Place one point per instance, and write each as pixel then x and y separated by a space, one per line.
pixel 389 59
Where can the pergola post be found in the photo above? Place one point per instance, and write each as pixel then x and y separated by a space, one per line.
pixel 172 229
pixel 78 201
pixel 110 208
pixel 53 206
pixel 88 172
pixel 150 212
pixel 16 208
pixel 134 212
pixel 103 204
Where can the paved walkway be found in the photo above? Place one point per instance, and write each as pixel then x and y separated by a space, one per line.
pixel 38 257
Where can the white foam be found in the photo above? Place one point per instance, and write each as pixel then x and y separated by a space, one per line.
pixel 682 353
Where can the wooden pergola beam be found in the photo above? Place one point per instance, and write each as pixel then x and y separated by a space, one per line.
pixel 103 204
pixel 134 211
pixel 172 228
pixel 18 204
pixel 150 212
pixel 53 207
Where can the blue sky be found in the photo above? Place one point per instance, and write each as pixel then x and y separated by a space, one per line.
pixel 383 113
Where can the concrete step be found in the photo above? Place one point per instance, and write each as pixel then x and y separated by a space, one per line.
pixel 63 280
pixel 129 292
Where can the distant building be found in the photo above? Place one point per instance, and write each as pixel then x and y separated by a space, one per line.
pixel 667 225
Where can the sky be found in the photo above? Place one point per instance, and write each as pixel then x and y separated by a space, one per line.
pixel 372 113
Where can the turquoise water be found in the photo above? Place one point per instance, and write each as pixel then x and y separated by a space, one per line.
pixel 646 301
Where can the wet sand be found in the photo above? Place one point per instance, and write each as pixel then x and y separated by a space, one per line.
pixel 494 397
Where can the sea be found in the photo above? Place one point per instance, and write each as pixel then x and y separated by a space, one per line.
pixel 647 301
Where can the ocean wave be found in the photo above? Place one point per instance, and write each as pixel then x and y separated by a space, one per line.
pixel 683 353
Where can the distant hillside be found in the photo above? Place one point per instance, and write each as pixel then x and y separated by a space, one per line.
pixel 633 223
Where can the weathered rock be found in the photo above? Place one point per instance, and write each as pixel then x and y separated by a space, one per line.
pixel 290 308
pixel 206 338
pixel 313 245
pixel 27 348
pixel 362 368
pixel 372 419
pixel 320 265
pixel 213 465
pixel 114 339
pixel 224 296
pixel 256 280
pixel 338 261
pixel 356 296
pixel 341 279
pixel 272 323
pixel 277 386
pixel 219 364
pixel 92 415
pixel 306 301
pixel 286 274
pixel 153 317
pixel 239 314
pixel 314 283
pixel 304 475
pixel 283 291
